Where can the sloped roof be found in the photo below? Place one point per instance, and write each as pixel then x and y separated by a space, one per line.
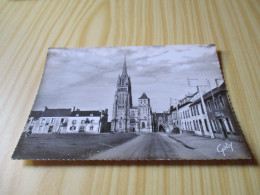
pixel 36 114
pixel 144 96
pixel 56 112
pixel 214 91
pixel 86 113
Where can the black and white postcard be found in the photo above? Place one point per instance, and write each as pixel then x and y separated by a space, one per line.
pixel 132 103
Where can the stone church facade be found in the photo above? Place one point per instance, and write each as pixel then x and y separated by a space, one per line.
pixel 126 117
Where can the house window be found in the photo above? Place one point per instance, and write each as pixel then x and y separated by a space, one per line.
pixel 43 120
pixel 202 109
pixel 53 120
pixel 194 125
pixel 221 101
pixel 216 104
pixel 143 125
pixel 50 129
pixel 226 125
pixel 197 109
pixel 190 126
pixel 201 126
pixel 197 123
pixel 62 120
pixel 40 128
pixel 59 129
pixel 194 108
pixel 81 129
pixel 213 125
pixel 230 125
pixel 73 128
pixel 206 124
pixel 209 105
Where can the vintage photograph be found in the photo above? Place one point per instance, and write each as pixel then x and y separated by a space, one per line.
pixel 132 103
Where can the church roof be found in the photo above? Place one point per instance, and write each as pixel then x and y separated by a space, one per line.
pixel 144 96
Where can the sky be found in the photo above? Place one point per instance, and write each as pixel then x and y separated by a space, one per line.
pixel 86 77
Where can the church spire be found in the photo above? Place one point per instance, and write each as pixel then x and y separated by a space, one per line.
pixel 124 71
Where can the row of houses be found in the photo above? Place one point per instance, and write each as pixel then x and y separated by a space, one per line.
pixel 67 121
pixel 209 114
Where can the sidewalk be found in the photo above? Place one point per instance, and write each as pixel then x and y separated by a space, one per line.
pixel 208 146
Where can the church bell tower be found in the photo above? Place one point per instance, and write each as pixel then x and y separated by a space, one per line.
pixel 122 103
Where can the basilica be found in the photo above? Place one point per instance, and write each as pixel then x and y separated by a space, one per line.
pixel 126 117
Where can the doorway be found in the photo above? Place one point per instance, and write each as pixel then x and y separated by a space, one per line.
pixel 223 128
pixel 50 129
pixel 161 128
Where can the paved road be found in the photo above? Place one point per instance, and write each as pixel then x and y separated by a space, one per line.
pixel 150 146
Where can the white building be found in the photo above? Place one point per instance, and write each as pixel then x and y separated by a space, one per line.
pixel 84 121
pixel 65 121
pixel 191 117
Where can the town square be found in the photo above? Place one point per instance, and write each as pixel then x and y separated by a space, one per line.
pixel 196 122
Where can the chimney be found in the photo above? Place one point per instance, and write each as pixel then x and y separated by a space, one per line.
pixel 46 108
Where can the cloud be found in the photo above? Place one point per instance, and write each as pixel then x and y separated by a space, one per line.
pixel 86 77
